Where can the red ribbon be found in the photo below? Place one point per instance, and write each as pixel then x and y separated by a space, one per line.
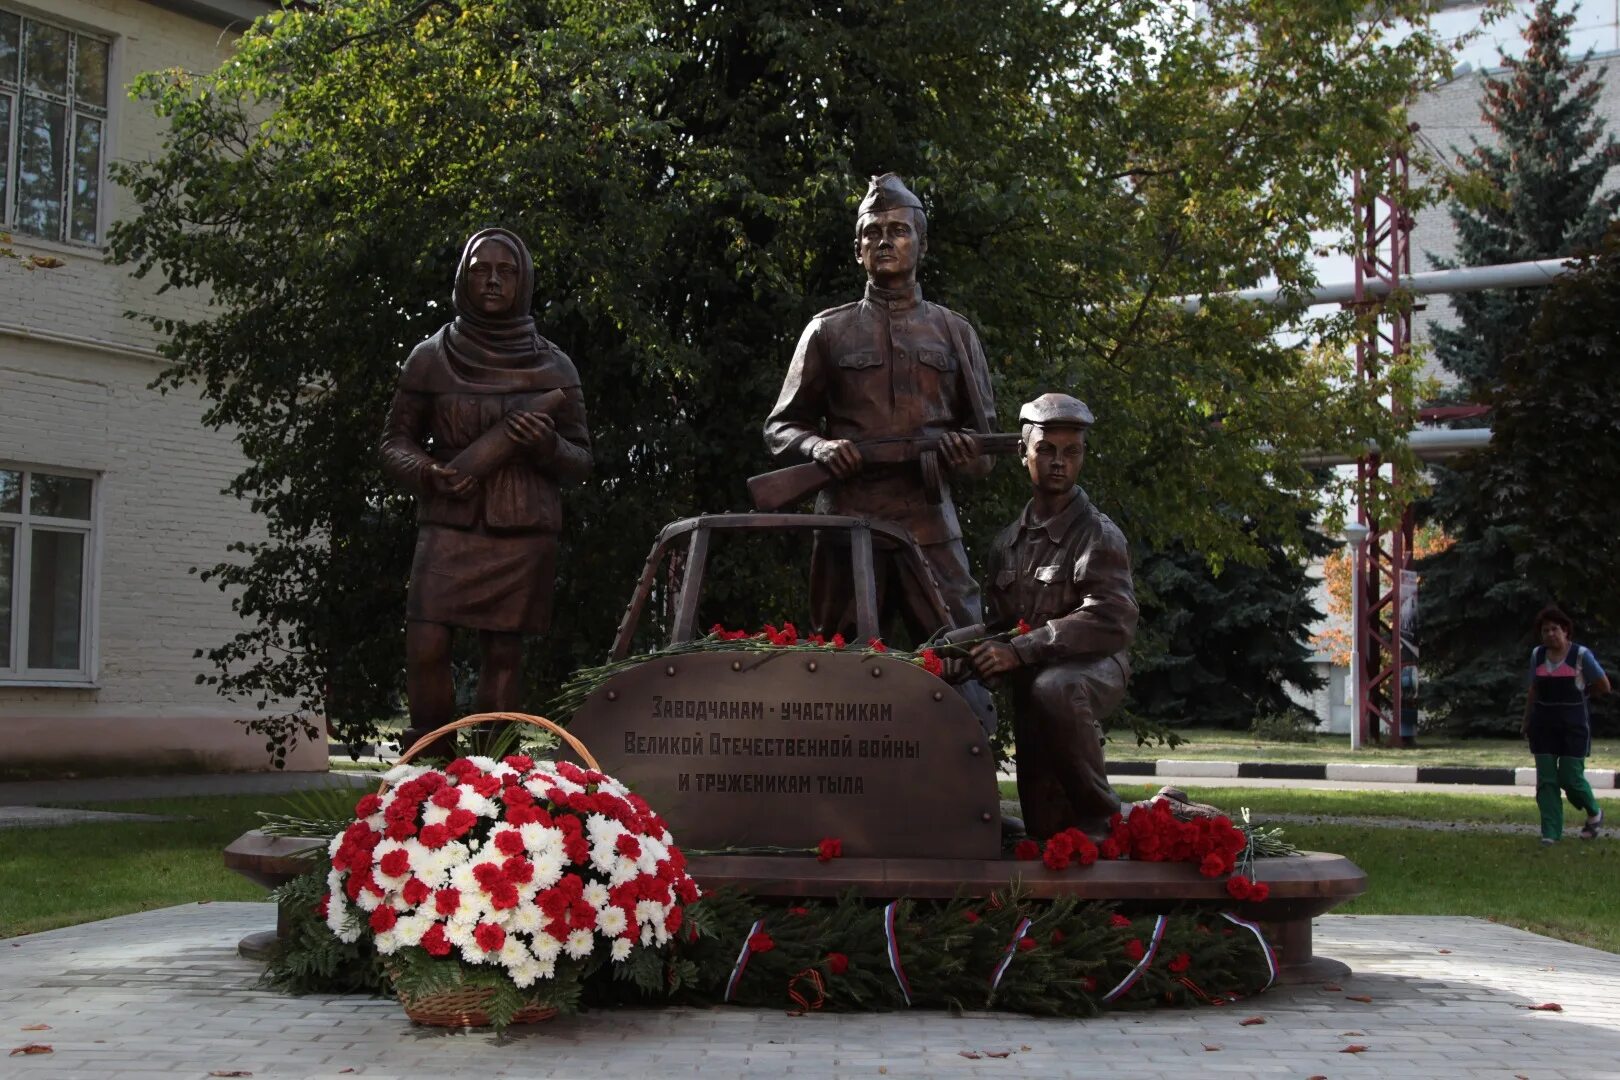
pixel 804 1004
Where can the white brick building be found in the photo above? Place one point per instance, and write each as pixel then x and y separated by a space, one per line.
pixel 110 492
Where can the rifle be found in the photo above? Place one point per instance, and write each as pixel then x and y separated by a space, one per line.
pixel 784 487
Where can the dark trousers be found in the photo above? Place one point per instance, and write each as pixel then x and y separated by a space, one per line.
pixel 832 598
pixel 1058 712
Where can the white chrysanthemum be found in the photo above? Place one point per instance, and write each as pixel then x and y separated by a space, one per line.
pixel 471 800
pixel 475 843
pixel 596 894
pixel 546 948
pixel 565 785
pixel 332 848
pixel 462 878
pixel 646 935
pixel 613 787
pixel 660 934
pixel 485 764
pixel 410 928
pixel 387 942
pixel 621 950
pixel 548 968
pixel 649 911
pixel 460 933
pixel 527 918
pixel 610 921
pixel 512 953
pixel 368 901
pixel 579 944
pixel 434 814
pixel 540 839
pixel 525 974
pixel 337 911
pixel 399 774
pixel 548 869
pixel 653 852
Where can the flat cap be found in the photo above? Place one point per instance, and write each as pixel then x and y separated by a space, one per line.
pixel 1056 410
pixel 887 192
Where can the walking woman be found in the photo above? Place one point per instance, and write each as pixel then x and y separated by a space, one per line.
pixel 1562 676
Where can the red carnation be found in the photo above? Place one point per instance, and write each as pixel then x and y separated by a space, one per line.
pixel 1238 887
pixel 761 942
pixel 1212 866
pixel 970 915
pixel 1059 937
pixel 1259 890
pixel 445 901
pixel 489 936
pixel 1111 849
pixel 1058 851
pixel 509 842
pixel 486 785
pixel 323 907
pixel 876 645
pixel 838 641
pixel 1027 850
pixel 434 836
pixel 1118 921
pixel 672 918
pixel 798 912
pixel 368 805
pixel 628 846
pixel 447 797
pixel 383 919
pixel 837 963
pixel 931 662
pixel 1024 627
pixel 415 891
pixel 396 863
pixel 460 822
pixel 829 849
pixel 520 762
pixel 1181 963
pixel 1135 949
pixel 1089 984
pixel 518 870
pixel 435 942
pixel 1025 944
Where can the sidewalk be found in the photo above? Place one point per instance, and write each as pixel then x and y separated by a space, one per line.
pixel 163 994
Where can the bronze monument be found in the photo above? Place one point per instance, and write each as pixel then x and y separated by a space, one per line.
pixel 1064 569
pixel 890 366
pixel 486 425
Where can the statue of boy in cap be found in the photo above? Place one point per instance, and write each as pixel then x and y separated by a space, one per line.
pixel 889 365
pixel 1063 567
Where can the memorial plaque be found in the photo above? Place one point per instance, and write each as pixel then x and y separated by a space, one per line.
pixel 741 749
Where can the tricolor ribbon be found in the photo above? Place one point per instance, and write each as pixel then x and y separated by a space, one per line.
pixel 742 960
pixel 1265 946
pixel 1141 965
pixel 892 941
pixel 1007 957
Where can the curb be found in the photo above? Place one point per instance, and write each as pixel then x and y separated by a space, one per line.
pixel 1382 774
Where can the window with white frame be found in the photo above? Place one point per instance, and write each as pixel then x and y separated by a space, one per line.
pixel 53 129
pixel 47 540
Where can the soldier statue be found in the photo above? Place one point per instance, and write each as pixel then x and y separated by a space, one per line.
pixel 889 365
pixel 486 425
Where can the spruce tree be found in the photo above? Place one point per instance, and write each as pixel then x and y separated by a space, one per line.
pixel 1532 194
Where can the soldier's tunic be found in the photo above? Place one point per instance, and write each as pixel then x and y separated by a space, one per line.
pixel 1070 578
pixel 889 365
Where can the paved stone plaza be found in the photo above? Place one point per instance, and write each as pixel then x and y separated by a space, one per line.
pixel 163 994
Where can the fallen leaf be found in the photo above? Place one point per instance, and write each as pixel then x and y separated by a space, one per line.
pixel 1354 1048
pixel 1445 951
pixel 345 1070
pixel 970 1055
pixel 1547 1006
pixel 1025 1046
pixel 1250 1021
pixel 1352 1034
pixel 1212 1046
pixel 1332 986
pixel 36 1027
pixel 883 1070
pixel 1358 997
pixel 1520 1076
pixel 230 1072
pixel 1318 1076
pixel 32 1048
pixel 998 1053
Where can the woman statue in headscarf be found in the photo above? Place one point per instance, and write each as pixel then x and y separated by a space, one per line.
pixel 487 423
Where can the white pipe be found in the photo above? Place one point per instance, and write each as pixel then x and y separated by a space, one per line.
pixel 1429 444
pixel 80 341
pixel 1462 279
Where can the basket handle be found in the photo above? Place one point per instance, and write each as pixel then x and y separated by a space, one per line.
pixel 516 717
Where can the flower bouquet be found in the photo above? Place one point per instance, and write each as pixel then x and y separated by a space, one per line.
pixel 492 889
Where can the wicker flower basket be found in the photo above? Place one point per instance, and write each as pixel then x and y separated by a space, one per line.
pixel 466 1006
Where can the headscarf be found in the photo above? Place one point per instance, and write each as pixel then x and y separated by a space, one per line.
pixel 496 341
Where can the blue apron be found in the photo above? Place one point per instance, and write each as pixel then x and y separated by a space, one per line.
pixel 1559 723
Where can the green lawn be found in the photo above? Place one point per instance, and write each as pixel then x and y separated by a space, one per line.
pixel 61 876
pixel 1207 745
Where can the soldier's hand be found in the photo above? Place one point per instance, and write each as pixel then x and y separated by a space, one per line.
pixel 959 449
pixel 534 430
pixel 447 481
pixel 992 658
pixel 840 456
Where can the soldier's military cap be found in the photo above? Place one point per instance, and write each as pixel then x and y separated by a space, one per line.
pixel 1056 410
pixel 887 192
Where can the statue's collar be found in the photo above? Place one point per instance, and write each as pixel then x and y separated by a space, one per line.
pixel 894 299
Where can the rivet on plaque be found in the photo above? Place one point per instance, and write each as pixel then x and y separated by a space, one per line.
pixel 613 695
pixel 985 817
pixel 811 665
pixel 939 695
pixel 670 670
pixel 974 751
pixel 876 672
pixel 736 665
